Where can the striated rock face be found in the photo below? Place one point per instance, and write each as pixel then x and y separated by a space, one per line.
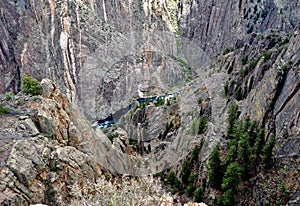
pixel 103 53
pixel 222 24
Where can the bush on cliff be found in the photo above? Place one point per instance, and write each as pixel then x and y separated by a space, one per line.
pixel 31 86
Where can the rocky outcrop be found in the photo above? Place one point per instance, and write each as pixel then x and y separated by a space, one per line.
pixel 47 156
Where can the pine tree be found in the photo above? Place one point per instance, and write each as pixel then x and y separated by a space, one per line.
pixel 232 152
pixel 267 151
pixel 244 154
pixel 171 178
pixel 185 172
pixel 259 144
pixel 231 178
pixel 202 124
pixel 253 133
pixel 198 195
pixel 232 118
pixel 230 184
pixel 215 173
pixel 195 153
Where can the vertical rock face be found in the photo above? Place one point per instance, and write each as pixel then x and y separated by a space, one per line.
pixel 86 47
pixel 103 54
pixel 220 24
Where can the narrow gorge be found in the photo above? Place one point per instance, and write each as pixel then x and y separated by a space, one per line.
pixel 200 99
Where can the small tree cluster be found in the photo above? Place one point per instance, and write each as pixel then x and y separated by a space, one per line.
pixel 246 148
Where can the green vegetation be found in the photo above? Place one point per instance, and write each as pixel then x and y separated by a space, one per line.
pixel 267 151
pixel 112 136
pixel 253 63
pixel 226 88
pixel 198 195
pixel 171 179
pixel 215 172
pixel 133 142
pixel 9 96
pixel 239 93
pixel 232 118
pixel 185 172
pixel 195 153
pixel 4 110
pixel 190 190
pixel 198 126
pixel 199 101
pixel 230 184
pixel 245 147
pixel 267 54
pixel 31 86
pixel 159 102
pixel 230 69
pixel 202 124
pixel 245 60
pixel 227 50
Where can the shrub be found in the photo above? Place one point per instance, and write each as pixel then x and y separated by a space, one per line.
pixel 159 102
pixel 4 110
pixel 31 86
pixel 8 96
pixel 227 50
pixel 199 101
pixel 239 93
pixel 253 64
pixel 267 55
pixel 245 60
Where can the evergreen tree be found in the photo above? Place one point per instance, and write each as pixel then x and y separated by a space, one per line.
pixel 244 154
pixel 253 133
pixel 202 124
pixel 231 178
pixel 185 172
pixel 232 118
pixel 171 179
pixel 267 151
pixel 198 195
pixel 259 144
pixel 246 124
pixel 230 184
pixel 232 152
pixel 195 153
pixel 215 173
